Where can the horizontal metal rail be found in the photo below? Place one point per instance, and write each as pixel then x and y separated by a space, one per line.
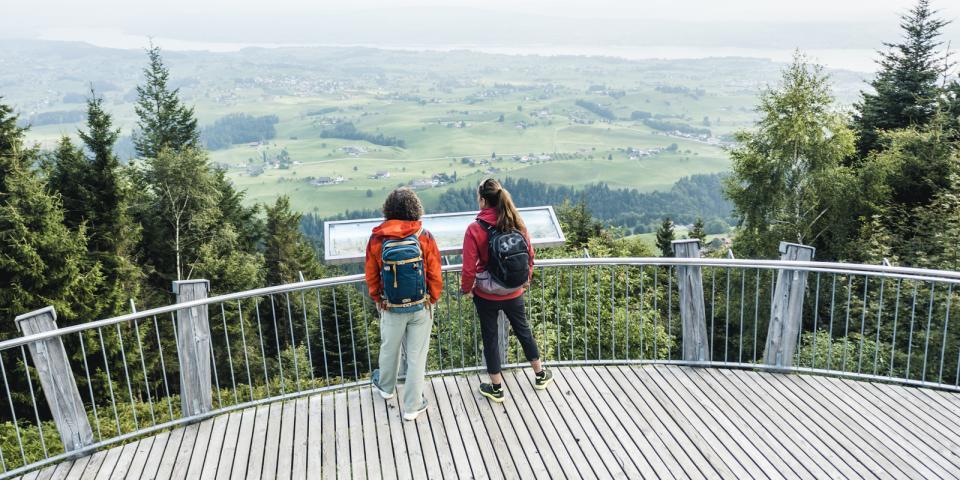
pixel 920 274
pixel 864 322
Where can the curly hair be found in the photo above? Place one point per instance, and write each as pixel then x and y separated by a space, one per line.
pixel 402 204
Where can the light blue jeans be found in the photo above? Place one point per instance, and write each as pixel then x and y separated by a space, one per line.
pixel 412 331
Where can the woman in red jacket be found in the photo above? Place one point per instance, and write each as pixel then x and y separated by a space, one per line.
pixel 497 213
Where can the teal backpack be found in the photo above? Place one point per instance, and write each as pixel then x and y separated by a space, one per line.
pixel 404 281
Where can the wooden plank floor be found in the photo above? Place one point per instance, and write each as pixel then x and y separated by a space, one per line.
pixel 594 422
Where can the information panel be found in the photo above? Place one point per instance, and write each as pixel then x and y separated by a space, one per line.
pixel 345 241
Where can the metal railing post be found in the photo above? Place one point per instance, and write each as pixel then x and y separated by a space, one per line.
pixel 692 308
pixel 56 378
pixel 193 348
pixel 787 307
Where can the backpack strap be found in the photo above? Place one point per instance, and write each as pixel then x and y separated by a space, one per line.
pixel 486 226
pixel 403 262
pixel 408 304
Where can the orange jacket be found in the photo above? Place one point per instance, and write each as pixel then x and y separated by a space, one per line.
pixel 401 229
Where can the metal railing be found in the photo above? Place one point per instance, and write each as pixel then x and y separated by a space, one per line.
pixel 129 374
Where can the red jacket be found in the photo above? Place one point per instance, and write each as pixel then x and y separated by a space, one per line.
pixel 476 254
pixel 401 229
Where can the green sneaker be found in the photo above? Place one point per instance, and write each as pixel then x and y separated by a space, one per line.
pixel 492 392
pixel 544 379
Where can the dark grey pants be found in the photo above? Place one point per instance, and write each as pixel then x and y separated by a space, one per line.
pixel 487 311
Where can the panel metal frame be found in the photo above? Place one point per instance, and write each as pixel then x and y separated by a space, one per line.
pixel 332 259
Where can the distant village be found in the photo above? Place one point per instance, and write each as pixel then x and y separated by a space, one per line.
pixel 484 165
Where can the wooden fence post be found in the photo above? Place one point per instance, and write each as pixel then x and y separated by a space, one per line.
pixel 56 379
pixel 787 308
pixel 696 346
pixel 193 348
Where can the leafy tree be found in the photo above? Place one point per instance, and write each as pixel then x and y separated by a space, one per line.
pixel 880 242
pixel 665 237
pixel 228 266
pixel 190 211
pixel 163 121
pixel 906 88
pixel 698 231
pixel 787 181
pixel 178 203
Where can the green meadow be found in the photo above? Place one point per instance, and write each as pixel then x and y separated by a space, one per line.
pixel 445 106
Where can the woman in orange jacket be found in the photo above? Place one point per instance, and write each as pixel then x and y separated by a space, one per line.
pixel 404 280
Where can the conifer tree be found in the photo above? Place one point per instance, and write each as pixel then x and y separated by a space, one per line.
pixel 163 120
pixel 907 87
pixel 41 260
pixel 698 231
pixel 112 230
pixel 665 237
pixel 244 220
pixel 68 175
pixel 577 223
pixel 95 196
pixel 287 250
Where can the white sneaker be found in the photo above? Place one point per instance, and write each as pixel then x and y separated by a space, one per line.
pixel 410 416
pixel 385 395
pixel 373 381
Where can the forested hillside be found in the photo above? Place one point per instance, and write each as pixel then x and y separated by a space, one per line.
pixel 697 196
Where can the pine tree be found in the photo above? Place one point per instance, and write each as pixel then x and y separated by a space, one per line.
pixel 906 90
pixel 244 220
pixel 287 250
pixel 41 260
pixel 11 135
pixel 69 176
pixel 163 121
pixel 950 109
pixel 698 231
pixel 665 237
pixel 578 223
pixel 113 233
pixel 95 195
pixel 108 214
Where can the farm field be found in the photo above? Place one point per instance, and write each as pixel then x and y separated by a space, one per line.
pixel 434 120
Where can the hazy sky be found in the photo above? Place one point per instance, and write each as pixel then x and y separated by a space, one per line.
pixel 58 13
pixel 231 24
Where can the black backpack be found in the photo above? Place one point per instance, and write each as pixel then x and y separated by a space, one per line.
pixel 509 262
